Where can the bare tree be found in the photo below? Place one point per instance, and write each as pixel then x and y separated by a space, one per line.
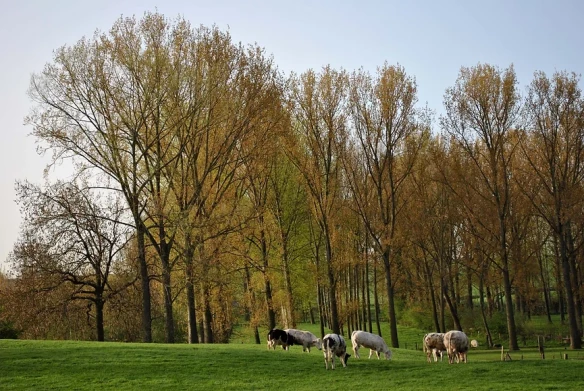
pixel 70 235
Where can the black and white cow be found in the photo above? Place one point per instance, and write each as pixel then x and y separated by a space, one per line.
pixel 334 345
pixel 279 337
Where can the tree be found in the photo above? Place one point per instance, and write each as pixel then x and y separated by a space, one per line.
pixel 387 137
pixel 481 110
pixel 69 236
pixel 288 206
pixel 318 119
pixel 163 111
pixel 555 152
pixel 93 103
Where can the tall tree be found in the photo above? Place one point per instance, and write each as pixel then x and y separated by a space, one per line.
pixel 387 136
pixel 555 152
pixel 319 118
pixel 482 108
pixel 93 103
pixel 287 205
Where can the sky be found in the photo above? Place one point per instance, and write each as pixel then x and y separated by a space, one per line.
pixel 432 40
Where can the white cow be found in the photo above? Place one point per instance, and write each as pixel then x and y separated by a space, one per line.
pixel 334 345
pixel 371 341
pixel 305 338
pixel 456 343
pixel 433 344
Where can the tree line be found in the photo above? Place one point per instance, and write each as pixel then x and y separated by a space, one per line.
pixel 211 189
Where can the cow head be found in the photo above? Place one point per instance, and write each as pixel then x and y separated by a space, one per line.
pixel 318 343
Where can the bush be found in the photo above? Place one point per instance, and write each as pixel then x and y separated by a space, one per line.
pixel 417 317
pixel 7 331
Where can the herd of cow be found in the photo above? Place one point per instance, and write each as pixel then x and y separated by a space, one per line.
pixel 455 343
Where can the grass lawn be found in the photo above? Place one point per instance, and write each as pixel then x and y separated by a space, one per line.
pixel 70 365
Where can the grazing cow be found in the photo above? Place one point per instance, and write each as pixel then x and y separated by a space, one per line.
pixel 305 338
pixel 334 345
pixel 371 341
pixel 279 337
pixel 456 343
pixel 433 344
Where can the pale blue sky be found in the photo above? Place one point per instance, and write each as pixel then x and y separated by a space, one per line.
pixel 431 39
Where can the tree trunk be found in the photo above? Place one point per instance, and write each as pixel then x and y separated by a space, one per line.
pixel 335 327
pixel 256 334
pixel 167 288
pixel 390 299
pixel 99 304
pixel 144 283
pixel 288 283
pixel 267 283
pixel 363 300
pixel 513 345
pixel 442 302
pixel 575 338
pixel 367 286
pixel 545 285
pixel 432 297
pixel 574 276
pixel 193 336
pixel 320 309
pixel 483 313
pixel 207 316
pixel 509 310
pixel 376 299
pixel 469 302
pixel 269 302
pixel 452 308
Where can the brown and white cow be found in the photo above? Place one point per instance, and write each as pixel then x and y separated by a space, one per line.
pixel 334 345
pixel 456 343
pixel 433 344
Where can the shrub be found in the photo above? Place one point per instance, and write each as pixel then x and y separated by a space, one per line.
pixel 417 317
pixel 7 331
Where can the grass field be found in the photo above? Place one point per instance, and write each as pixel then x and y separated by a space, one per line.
pixel 70 365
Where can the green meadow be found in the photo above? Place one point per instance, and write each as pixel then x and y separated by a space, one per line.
pixel 73 365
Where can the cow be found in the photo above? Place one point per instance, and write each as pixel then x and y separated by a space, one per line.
pixel 279 337
pixel 456 343
pixel 334 345
pixel 305 338
pixel 433 344
pixel 371 341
